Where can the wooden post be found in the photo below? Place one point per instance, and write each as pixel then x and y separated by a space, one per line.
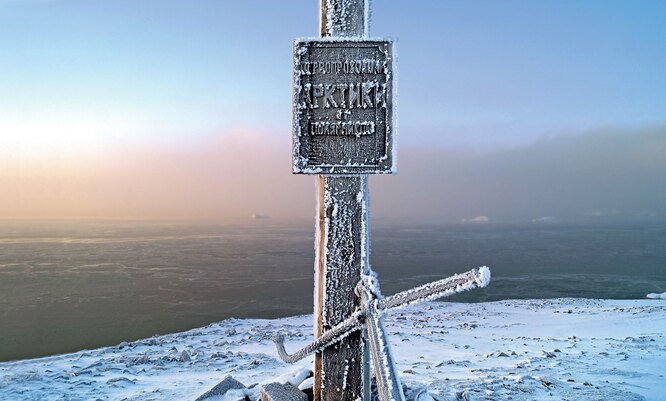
pixel 342 247
pixel 341 258
pixel 344 18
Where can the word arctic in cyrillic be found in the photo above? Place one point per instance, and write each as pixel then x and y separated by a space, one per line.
pixel 343 107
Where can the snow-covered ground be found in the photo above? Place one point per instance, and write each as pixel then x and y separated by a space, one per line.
pixel 557 349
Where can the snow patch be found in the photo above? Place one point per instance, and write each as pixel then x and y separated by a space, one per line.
pixel 295 377
pixel 611 350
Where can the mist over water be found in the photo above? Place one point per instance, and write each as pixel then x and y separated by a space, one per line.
pixel 70 285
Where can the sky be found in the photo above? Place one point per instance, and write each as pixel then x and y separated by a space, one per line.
pixel 512 110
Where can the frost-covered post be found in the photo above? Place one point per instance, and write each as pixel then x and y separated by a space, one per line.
pixel 343 97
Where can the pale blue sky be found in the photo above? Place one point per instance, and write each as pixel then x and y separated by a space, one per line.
pixel 513 110
pixel 472 73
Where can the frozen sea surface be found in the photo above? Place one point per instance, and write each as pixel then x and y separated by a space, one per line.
pixel 66 286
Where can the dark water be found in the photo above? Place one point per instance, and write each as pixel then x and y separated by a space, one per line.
pixel 66 286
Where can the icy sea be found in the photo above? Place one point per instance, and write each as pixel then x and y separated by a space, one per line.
pixel 71 285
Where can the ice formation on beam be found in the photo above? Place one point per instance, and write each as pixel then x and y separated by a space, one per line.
pixel 475 278
pixel 369 315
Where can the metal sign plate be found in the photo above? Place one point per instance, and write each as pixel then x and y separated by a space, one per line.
pixel 343 107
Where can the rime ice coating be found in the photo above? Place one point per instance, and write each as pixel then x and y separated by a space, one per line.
pixel 483 277
pixel 475 278
pixel 342 106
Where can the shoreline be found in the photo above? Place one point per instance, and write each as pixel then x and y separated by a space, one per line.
pixel 497 349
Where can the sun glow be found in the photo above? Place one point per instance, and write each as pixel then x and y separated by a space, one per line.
pixel 47 134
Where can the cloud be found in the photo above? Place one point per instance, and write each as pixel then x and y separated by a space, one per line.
pixel 618 174
pixel 476 220
pixel 599 176
pixel 227 177
pixel 544 219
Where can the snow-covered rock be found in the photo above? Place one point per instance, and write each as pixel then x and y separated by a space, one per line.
pixel 184 356
pixel 295 377
pixel 222 389
pixel 281 392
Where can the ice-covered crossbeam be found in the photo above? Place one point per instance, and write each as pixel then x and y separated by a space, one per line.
pixel 327 339
pixel 475 278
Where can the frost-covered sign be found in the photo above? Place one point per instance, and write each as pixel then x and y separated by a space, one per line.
pixel 343 95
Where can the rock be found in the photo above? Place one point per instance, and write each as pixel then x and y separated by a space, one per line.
pixel 307 387
pixel 466 396
pixel 295 377
pixel 120 379
pixel 229 383
pixel 184 356
pixel 94 365
pixel 549 354
pixel 424 395
pixel 307 383
pixel 139 360
pixel 545 381
pixel 281 392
